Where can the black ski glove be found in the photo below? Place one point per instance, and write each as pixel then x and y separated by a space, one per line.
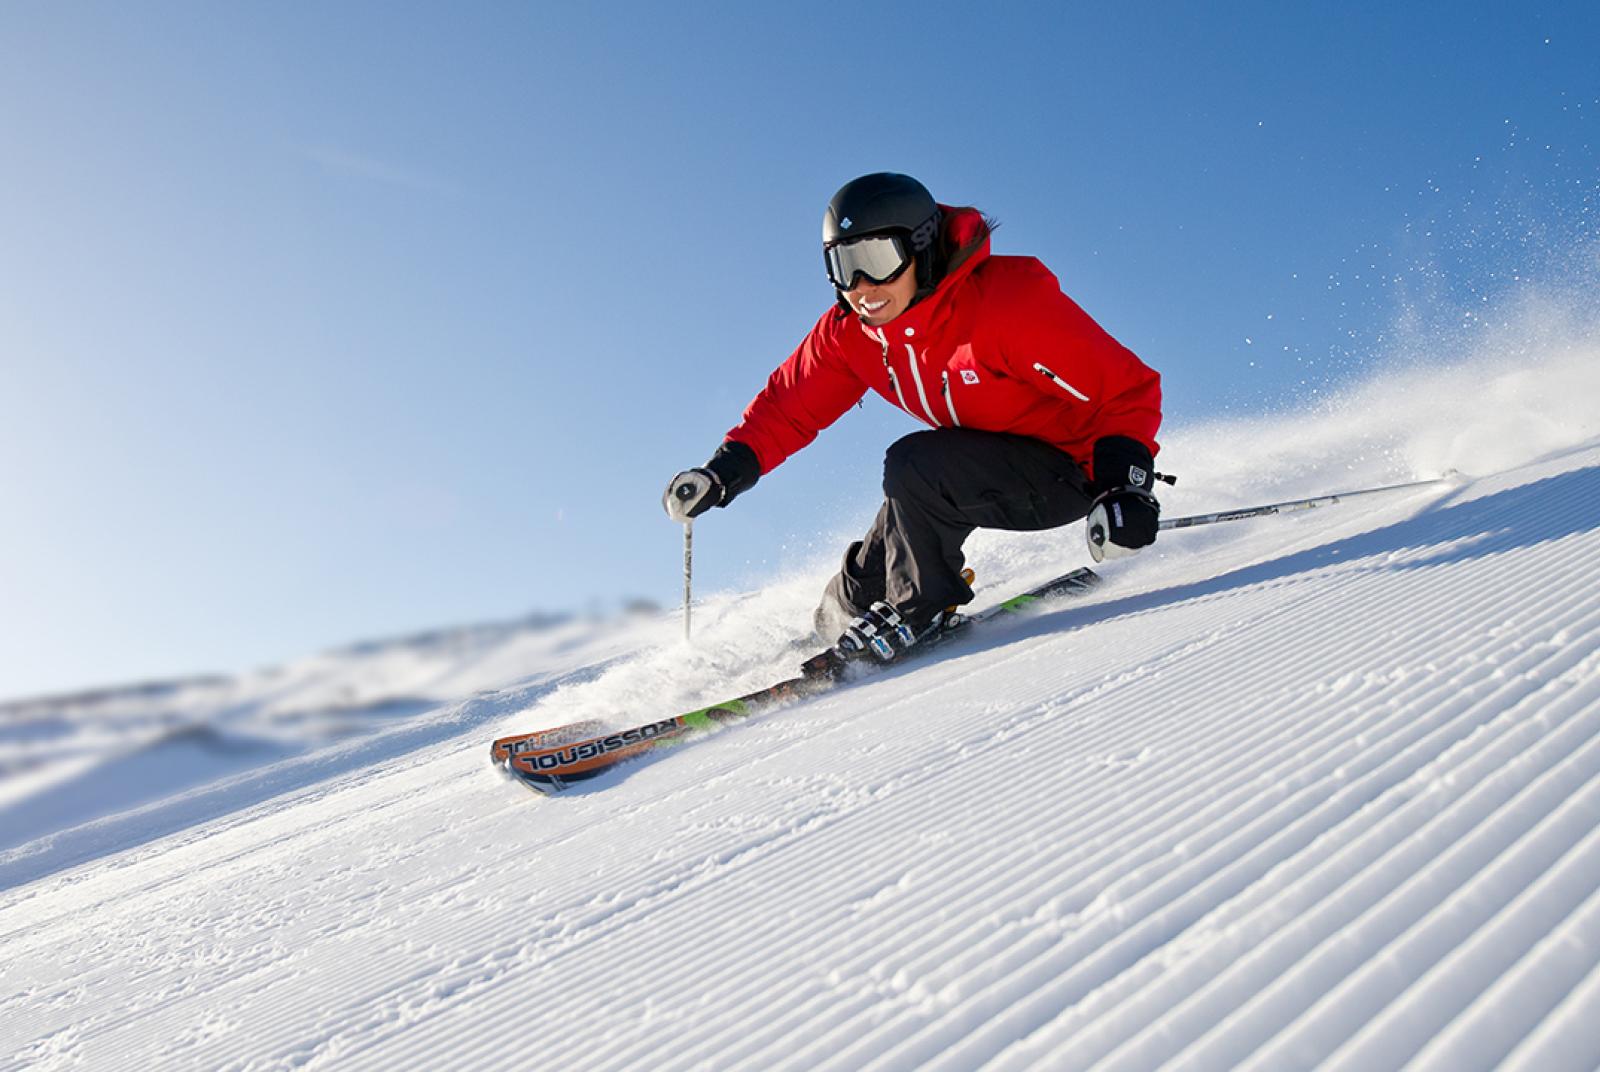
pixel 1125 516
pixel 733 469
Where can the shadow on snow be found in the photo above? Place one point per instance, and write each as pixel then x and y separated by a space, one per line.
pixel 1516 519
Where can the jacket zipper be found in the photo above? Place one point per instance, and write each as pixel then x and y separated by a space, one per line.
pixel 894 381
pixel 950 400
pixel 1059 382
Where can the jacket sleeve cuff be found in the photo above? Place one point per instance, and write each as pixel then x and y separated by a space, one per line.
pixel 737 466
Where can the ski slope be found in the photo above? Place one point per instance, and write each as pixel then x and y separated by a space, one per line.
pixel 1320 790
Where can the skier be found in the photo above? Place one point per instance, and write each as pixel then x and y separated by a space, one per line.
pixel 1037 417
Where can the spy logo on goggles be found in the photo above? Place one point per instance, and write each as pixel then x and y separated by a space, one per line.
pixel 879 258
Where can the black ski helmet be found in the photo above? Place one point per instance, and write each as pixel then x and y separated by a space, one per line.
pixel 888 203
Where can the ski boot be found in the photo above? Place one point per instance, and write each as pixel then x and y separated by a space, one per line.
pixel 875 638
pixel 879 636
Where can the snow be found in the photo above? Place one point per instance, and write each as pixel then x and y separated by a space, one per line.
pixel 1320 790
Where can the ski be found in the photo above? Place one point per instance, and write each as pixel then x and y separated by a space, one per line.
pixel 548 761
pixel 552 769
pixel 504 748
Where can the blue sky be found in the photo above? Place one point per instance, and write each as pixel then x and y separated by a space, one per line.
pixel 320 322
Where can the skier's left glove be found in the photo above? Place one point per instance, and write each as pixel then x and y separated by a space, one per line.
pixel 1125 516
pixel 733 469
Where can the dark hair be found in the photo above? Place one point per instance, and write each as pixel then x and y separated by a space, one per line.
pixel 950 256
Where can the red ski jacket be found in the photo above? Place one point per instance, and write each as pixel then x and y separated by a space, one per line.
pixel 997 346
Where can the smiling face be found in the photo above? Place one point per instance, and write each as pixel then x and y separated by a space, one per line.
pixel 878 303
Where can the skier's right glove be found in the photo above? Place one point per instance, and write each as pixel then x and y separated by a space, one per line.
pixel 1125 516
pixel 732 470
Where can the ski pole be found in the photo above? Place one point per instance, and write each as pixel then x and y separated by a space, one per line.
pixel 1295 504
pixel 684 492
pixel 688 577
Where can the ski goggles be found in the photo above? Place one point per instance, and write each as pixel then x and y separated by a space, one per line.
pixel 880 258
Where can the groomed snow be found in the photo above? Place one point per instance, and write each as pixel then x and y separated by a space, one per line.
pixel 1320 790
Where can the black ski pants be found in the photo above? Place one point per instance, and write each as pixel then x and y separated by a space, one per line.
pixel 939 486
